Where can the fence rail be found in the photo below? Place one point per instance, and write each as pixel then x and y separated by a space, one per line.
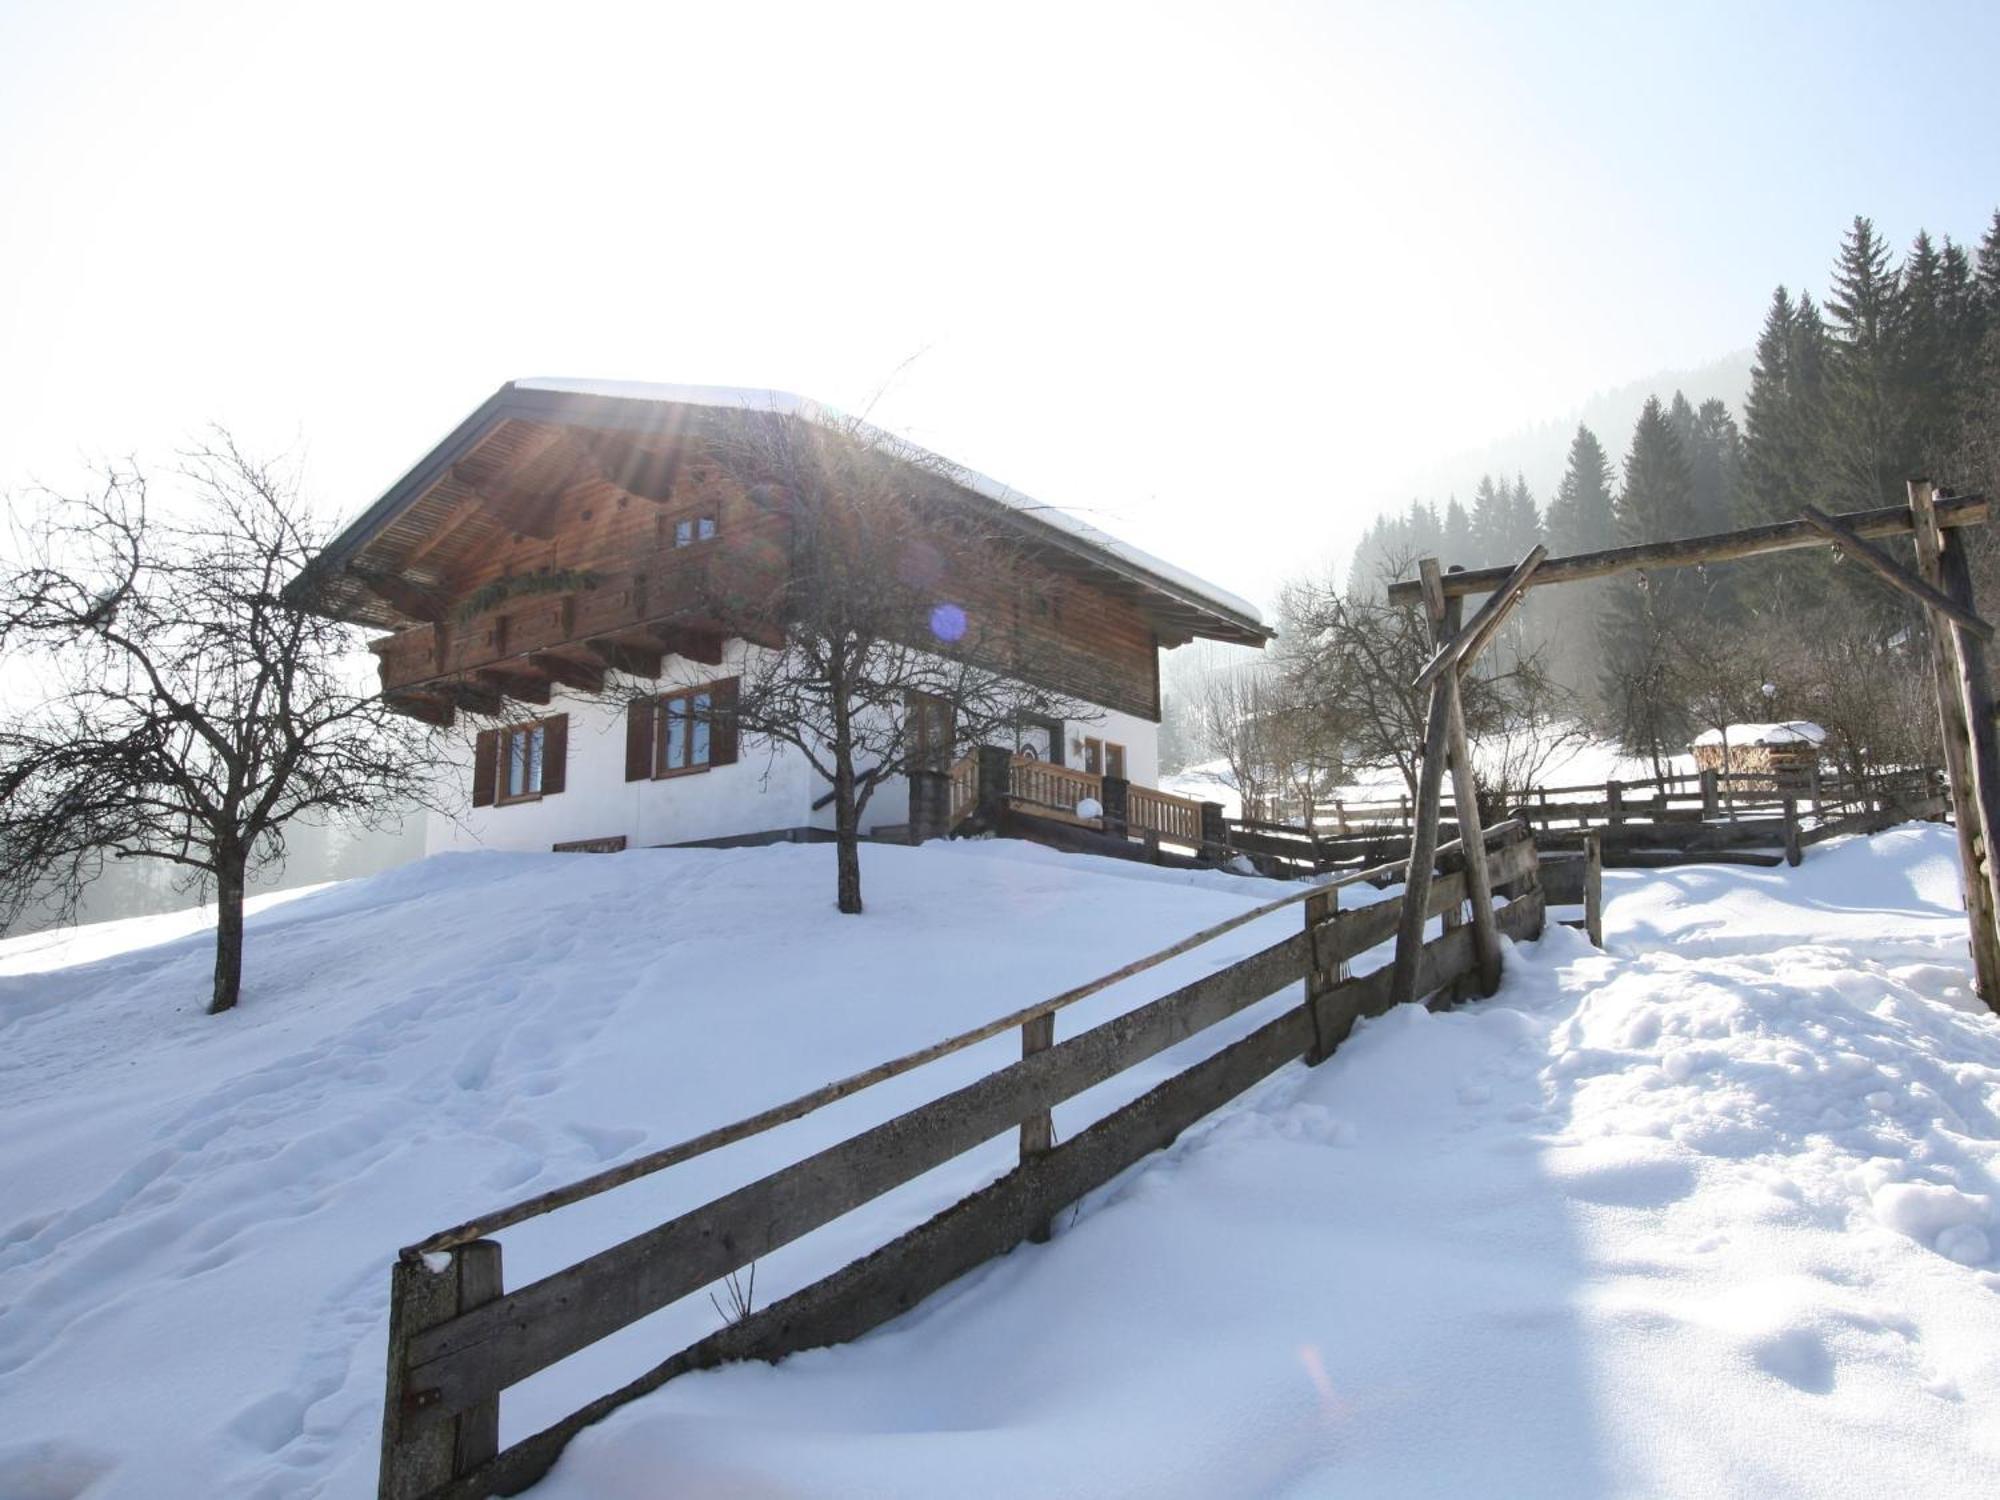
pixel 1661 820
pixel 458 1339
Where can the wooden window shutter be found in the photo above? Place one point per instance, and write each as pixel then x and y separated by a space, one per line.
pixel 722 734
pixel 639 717
pixel 555 753
pixel 485 767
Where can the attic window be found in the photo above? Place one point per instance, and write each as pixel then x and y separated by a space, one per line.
pixel 691 529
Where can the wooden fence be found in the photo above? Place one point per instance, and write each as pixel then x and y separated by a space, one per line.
pixel 458 1338
pixel 1707 816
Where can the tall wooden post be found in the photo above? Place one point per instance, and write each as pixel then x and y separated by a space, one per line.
pixel 1975 686
pixel 1423 845
pixel 1975 885
pixel 1446 620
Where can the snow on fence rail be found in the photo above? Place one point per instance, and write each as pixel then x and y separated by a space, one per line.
pixel 457 1339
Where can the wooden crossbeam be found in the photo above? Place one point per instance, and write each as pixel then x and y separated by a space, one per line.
pixel 1727 546
pixel 1891 572
pixel 1462 649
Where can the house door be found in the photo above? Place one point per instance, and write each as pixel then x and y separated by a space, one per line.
pixel 1036 740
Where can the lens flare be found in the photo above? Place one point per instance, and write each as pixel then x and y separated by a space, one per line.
pixel 948 622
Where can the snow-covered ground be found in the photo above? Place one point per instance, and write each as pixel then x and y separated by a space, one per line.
pixel 1712 1214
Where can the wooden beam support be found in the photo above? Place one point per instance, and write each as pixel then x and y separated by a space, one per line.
pixel 1459 652
pixel 704 646
pixel 1891 572
pixel 1445 616
pixel 585 677
pixel 425 707
pixel 1727 546
pixel 1957 739
pixel 409 599
pixel 472 697
pixel 622 656
pixel 509 682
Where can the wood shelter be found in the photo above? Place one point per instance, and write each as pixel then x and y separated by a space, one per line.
pixel 1941 583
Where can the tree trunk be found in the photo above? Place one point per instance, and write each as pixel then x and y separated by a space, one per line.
pixel 229 871
pixel 846 817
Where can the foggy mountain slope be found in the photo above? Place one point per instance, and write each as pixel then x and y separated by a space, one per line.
pixel 1537 452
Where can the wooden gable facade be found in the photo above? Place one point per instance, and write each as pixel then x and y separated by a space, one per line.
pixel 560 533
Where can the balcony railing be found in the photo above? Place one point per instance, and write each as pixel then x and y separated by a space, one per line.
pixel 1052 791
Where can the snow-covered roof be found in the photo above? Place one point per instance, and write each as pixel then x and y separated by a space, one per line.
pixel 1791 732
pixel 803 407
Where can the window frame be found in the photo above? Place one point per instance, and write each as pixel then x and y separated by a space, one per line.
pixel 662 717
pixel 504 762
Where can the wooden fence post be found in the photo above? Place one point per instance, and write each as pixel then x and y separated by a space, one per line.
pixel 1593 887
pixel 1711 801
pixel 418 1457
pixel 1322 910
pixel 1614 802
pixel 1793 852
pixel 1038 1131
pixel 1818 792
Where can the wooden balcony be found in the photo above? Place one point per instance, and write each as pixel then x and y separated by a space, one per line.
pixel 686 601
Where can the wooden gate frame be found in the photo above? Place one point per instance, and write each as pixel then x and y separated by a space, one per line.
pixel 1941 584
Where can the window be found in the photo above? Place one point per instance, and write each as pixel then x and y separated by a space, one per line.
pixel 1103 758
pixel 691 529
pixel 684 732
pixel 692 729
pixel 932 732
pixel 521 763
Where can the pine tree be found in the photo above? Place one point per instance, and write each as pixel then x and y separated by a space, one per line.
pixel 1580 515
pixel 1524 521
pixel 1715 465
pixel 1489 522
pixel 1657 502
pixel 1457 534
pixel 1928 360
pixel 1862 463
pixel 1770 418
pixel 1988 276
pixel 1644 613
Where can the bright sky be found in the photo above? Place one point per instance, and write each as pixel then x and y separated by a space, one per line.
pixel 1219 278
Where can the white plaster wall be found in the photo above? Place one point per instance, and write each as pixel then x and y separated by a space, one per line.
pixel 759 793
pixel 766 789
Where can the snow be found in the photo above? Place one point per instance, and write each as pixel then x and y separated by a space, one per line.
pixel 1710 1214
pixel 1791 732
pixel 786 404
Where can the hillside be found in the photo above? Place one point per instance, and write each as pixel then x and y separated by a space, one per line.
pixel 1712 1213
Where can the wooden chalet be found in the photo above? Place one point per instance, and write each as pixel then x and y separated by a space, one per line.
pixel 570 530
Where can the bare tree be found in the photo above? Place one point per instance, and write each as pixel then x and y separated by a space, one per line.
pixel 884 670
pixel 190 710
pixel 1234 707
pixel 1349 661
